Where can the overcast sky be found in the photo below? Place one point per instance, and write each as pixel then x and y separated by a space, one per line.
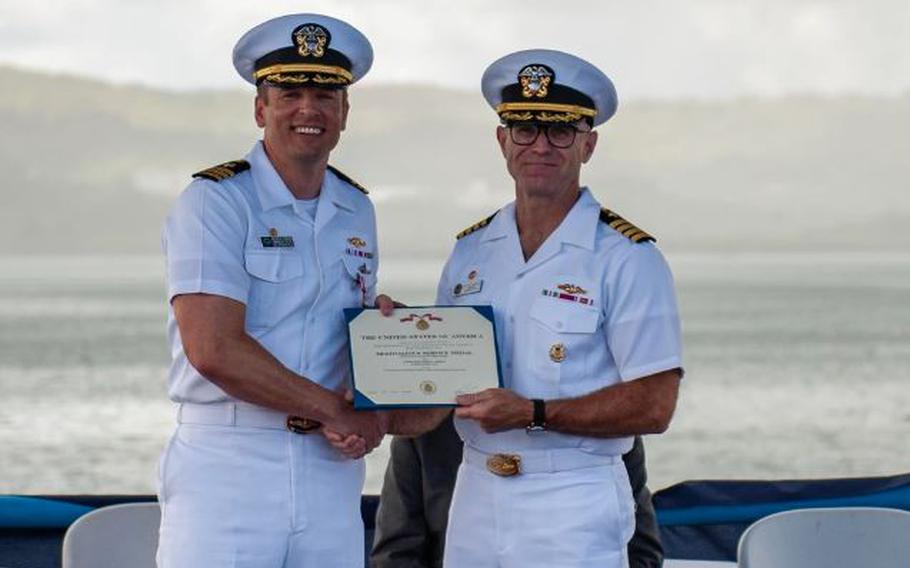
pixel 651 48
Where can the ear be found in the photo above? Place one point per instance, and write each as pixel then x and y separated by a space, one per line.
pixel 259 110
pixel 501 137
pixel 345 108
pixel 588 149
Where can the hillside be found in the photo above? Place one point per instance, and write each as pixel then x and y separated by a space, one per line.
pixel 90 167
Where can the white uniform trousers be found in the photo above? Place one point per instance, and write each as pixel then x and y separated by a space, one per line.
pixel 242 496
pixel 566 509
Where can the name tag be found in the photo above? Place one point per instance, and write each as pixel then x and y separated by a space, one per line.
pixel 277 242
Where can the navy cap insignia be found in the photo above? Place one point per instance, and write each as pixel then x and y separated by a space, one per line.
pixel 311 40
pixel 535 80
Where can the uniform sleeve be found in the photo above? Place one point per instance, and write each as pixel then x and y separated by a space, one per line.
pixel 204 238
pixel 642 318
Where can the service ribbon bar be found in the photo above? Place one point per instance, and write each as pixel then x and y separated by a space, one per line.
pixel 569 297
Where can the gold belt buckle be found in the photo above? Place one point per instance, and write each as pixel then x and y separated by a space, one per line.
pixel 504 465
pixel 300 425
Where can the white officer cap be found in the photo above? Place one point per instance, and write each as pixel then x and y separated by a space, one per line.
pixel 543 85
pixel 303 50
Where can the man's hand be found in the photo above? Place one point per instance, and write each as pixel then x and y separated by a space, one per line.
pixel 495 409
pixel 356 434
pixel 387 305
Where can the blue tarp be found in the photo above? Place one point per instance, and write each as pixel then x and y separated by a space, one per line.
pixel 698 519
pixel 703 519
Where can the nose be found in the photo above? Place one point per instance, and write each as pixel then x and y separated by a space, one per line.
pixel 542 144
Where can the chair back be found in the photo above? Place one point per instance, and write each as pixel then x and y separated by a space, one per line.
pixel 118 536
pixel 844 537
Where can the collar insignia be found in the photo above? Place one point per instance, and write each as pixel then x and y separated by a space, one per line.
pixel 535 81
pixel 311 40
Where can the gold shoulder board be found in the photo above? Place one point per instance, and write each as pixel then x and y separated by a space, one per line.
pixel 223 171
pixel 476 226
pixel 624 227
pixel 343 177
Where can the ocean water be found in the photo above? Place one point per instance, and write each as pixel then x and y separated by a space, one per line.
pixel 798 366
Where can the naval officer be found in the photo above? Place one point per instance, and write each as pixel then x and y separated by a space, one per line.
pixel 263 253
pixel 589 330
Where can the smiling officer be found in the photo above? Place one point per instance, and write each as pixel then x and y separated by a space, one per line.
pixel 590 337
pixel 263 254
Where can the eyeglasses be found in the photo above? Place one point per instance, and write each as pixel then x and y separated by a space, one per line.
pixel 558 135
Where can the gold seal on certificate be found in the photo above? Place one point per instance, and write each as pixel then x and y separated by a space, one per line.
pixel 423 356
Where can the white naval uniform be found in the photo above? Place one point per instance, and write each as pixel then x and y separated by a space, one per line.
pixel 616 319
pixel 237 489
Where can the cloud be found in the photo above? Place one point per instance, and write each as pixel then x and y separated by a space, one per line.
pixel 652 48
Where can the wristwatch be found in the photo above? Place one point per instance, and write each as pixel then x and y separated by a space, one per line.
pixel 539 421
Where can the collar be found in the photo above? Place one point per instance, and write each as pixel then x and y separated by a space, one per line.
pixel 578 228
pixel 273 193
pixel 270 187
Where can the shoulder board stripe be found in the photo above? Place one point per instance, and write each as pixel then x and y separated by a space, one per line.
pixel 344 177
pixel 623 227
pixel 223 171
pixel 476 226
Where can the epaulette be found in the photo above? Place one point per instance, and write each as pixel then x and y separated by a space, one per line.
pixel 624 227
pixel 223 171
pixel 476 226
pixel 343 177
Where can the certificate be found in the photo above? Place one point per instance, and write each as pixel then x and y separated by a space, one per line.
pixel 421 356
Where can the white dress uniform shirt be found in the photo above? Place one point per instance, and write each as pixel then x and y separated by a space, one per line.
pixel 215 242
pixel 614 319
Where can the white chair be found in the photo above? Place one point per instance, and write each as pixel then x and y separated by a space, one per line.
pixel 847 537
pixel 118 536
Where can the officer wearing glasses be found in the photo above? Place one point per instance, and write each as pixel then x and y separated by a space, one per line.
pixel 590 339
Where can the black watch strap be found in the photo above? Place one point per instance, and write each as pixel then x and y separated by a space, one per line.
pixel 539 421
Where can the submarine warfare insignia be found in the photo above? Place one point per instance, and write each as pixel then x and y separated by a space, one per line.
pixel 311 40
pixel 273 240
pixel 535 81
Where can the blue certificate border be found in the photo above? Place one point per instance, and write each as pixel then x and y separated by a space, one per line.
pixel 362 402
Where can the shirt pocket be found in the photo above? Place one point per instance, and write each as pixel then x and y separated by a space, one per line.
pixel 562 337
pixel 275 288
